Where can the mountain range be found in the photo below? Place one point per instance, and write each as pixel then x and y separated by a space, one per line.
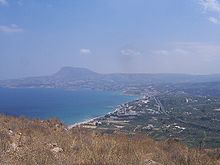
pixel 73 77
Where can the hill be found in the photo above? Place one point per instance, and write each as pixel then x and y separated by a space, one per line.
pixel 24 141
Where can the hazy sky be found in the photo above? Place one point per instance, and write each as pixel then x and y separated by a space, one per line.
pixel 37 37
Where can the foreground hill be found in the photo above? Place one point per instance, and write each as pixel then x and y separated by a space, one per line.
pixel 24 141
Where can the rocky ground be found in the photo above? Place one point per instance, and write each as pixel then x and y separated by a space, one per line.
pixel 24 141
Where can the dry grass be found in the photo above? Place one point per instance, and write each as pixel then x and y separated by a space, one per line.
pixel 36 142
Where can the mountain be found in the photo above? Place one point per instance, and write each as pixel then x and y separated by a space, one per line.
pixel 73 73
pixel 72 78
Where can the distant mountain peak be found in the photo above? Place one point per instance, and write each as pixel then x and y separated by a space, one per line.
pixel 69 68
pixel 75 73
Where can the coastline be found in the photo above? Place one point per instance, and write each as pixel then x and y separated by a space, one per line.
pixel 94 113
pixel 83 122
pixel 95 118
pixel 92 119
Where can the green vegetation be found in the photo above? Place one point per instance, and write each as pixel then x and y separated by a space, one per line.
pixel 194 120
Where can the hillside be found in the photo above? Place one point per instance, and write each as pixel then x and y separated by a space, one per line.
pixel 24 141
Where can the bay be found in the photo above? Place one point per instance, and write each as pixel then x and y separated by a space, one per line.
pixel 68 106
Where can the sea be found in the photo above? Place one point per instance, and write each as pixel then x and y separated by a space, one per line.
pixel 70 106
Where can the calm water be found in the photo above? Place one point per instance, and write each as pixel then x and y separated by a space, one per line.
pixel 69 106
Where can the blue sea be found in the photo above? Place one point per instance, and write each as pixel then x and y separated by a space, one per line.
pixel 68 106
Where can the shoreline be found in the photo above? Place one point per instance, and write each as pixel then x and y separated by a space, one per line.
pixel 69 125
pixel 95 118
pixel 82 122
pixel 92 119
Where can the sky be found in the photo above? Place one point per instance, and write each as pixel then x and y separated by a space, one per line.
pixel 38 37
